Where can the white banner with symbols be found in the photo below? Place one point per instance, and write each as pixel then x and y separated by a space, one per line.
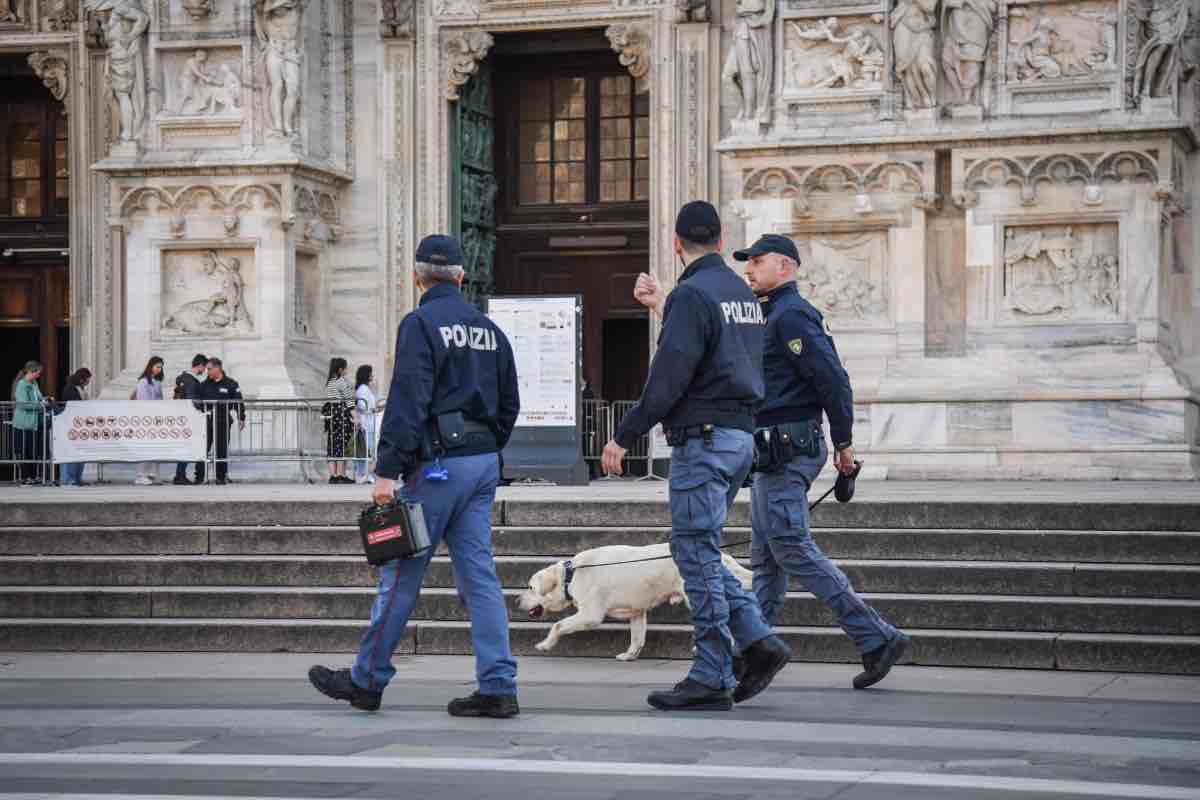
pixel 129 430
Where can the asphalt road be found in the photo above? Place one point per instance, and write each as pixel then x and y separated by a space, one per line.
pixel 83 725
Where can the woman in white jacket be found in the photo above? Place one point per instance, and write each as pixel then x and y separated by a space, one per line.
pixel 368 407
pixel 149 387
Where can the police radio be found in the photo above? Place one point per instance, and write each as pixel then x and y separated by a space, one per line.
pixel 393 530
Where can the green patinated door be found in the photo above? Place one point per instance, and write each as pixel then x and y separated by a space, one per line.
pixel 473 183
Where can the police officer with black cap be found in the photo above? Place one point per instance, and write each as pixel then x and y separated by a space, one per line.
pixel 704 385
pixel 804 377
pixel 451 408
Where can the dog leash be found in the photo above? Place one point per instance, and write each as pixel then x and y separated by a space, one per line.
pixel 577 567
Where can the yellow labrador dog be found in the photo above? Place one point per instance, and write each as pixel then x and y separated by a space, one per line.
pixel 620 591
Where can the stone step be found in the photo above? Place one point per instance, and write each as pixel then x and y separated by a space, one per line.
pixel 981 612
pixel 960 648
pixel 980 514
pixel 1107 546
pixel 938 577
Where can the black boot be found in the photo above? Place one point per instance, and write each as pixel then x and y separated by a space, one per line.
pixel 879 662
pixel 764 659
pixel 689 695
pixel 340 686
pixel 497 706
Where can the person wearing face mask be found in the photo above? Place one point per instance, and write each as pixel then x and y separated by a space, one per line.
pixel 804 378
pixel 705 384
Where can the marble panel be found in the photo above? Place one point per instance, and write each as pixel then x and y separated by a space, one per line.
pixel 908 425
pixel 307 297
pixel 1098 423
pixel 979 423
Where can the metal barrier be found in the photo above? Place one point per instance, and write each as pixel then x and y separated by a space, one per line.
pixel 24 453
pixel 600 421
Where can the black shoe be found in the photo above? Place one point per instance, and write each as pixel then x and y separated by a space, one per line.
pixel 689 695
pixel 764 659
pixel 497 706
pixel 181 481
pixel 879 662
pixel 338 685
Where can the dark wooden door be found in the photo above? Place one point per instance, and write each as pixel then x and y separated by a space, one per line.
pixel 572 167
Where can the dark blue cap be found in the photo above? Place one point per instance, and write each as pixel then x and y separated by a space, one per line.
pixel 698 222
pixel 441 250
pixel 769 243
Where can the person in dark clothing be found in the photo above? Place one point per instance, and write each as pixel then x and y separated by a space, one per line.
pixel 72 473
pixel 220 398
pixel 187 387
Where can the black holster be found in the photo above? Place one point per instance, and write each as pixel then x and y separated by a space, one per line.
pixel 776 446
pixel 446 433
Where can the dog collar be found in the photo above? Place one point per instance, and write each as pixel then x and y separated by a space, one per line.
pixel 568 574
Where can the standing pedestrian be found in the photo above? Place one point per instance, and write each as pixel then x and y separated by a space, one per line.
pixel 704 385
pixel 149 387
pixel 221 399
pixel 367 407
pixel 450 410
pixel 75 391
pixel 339 419
pixel 804 377
pixel 187 387
pixel 27 421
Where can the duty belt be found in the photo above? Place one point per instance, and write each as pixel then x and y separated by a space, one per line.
pixel 777 445
pixel 677 437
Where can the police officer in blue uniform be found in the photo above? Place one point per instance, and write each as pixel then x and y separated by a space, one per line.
pixel 804 377
pixel 704 385
pixel 454 380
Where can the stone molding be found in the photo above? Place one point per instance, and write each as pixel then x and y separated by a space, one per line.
pixel 1091 171
pixel 464 50
pixel 226 199
pixel 631 42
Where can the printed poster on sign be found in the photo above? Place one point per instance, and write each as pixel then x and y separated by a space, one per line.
pixel 543 337
pixel 129 430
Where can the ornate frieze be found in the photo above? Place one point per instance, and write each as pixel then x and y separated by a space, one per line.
pixel 52 68
pixel 1089 171
pixel 897 177
pixel 463 51
pixel 631 42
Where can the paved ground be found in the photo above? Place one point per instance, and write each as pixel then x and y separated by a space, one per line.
pixel 616 490
pixel 250 726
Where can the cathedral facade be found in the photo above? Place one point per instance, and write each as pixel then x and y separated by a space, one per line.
pixel 995 201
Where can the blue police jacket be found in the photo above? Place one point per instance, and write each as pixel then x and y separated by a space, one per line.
pixel 449 357
pixel 801 367
pixel 707 368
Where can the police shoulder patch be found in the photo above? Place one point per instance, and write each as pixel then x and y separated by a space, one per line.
pixel 796 346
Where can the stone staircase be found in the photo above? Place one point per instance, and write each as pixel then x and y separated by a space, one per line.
pixel 1094 586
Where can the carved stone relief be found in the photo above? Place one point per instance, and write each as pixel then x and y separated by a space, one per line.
pixel 198 10
pixel 202 82
pixel 124 23
pixel 632 44
pixel 1061 272
pixel 748 66
pixel 914 28
pixel 208 292
pixel 52 69
pixel 58 15
pixel 463 52
pixel 1059 41
pixel 834 53
pixel 1161 61
pixel 396 18
pixel 845 274
pixel 279 27
pixel 691 11
pixel 1088 171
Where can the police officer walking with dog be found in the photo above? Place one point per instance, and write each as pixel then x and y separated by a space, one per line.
pixel 704 385
pixel 451 408
pixel 804 377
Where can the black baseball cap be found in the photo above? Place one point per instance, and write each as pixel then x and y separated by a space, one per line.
pixel 439 249
pixel 698 222
pixel 769 243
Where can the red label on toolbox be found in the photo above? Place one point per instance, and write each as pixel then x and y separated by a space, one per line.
pixel 385 535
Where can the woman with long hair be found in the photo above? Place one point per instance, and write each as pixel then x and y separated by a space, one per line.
pixel 27 421
pixel 74 391
pixel 339 408
pixel 149 387
pixel 367 407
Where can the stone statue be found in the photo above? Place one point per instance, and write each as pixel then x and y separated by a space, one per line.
pixel 748 66
pixel 1159 62
pixel 966 30
pixel 913 27
pixel 223 311
pixel 279 31
pixel 8 11
pixel 124 70
pixel 196 84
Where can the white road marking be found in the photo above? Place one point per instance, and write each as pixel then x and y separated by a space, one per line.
pixel 1025 786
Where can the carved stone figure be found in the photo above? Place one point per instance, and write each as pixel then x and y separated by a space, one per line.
pixel 123 30
pixel 463 52
pixel 224 310
pixel 632 44
pixel 966 30
pixel 198 10
pixel 691 11
pixel 58 15
pixel 748 65
pixel 913 28
pixel 52 69
pixel 8 11
pixel 397 17
pixel 196 85
pixel 1032 53
pixel 229 96
pixel 1160 61
pixel 279 31
pixel 1107 21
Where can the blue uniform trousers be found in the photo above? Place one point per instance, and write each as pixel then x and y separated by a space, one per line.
pixel 705 478
pixel 458 510
pixel 783 546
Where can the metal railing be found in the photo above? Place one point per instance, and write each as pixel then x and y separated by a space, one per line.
pixel 600 421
